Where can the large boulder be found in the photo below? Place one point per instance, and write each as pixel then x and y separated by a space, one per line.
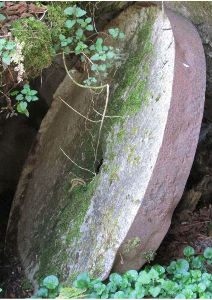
pixel 72 214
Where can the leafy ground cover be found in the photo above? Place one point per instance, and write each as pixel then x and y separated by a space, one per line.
pixel 185 278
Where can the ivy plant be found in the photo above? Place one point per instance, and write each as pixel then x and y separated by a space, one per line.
pixel 97 55
pixel 49 288
pixel 183 279
pixel 6 49
pixel 24 97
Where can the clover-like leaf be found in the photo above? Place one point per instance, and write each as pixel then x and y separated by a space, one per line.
pixel 19 97
pixel 70 10
pixel 155 291
pixel 51 282
pixel 80 12
pixel 188 251
pixel 115 278
pixel 70 23
pixel 208 253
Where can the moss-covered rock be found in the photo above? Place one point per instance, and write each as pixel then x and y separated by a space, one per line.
pixel 38 48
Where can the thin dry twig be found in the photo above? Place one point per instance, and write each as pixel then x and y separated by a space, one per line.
pixel 76 163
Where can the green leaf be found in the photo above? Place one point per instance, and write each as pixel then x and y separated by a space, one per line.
pixel 208 253
pixel 70 10
pixel 19 97
pixel 188 251
pixel 132 275
pixel 82 281
pixel 1 3
pixel 62 37
pixel 70 23
pixel 42 292
pixel 10 45
pixel 110 54
pixel 14 93
pixel 115 278
pixel 180 296
pixel 111 287
pixel 144 278
pixel 6 60
pixel 26 86
pixel 197 262
pixel 102 67
pixel 99 288
pixel 21 107
pixel 33 92
pixel 119 295
pixel 95 57
pixel 114 32
pixel 2 17
pixel 121 35
pixel 88 20
pixel 92 47
pixel 155 291
pixel 89 27
pixel 80 12
pixel 140 291
pixel 2 41
pixel 161 270
pixel 201 287
pixel 51 282
pixel 28 98
pixel 79 32
pixel 34 98
pixel 182 266
pixel 63 44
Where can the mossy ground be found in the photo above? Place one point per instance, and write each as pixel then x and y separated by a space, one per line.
pixel 38 48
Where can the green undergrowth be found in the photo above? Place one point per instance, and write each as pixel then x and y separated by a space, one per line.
pixel 186 278
pixel 38 49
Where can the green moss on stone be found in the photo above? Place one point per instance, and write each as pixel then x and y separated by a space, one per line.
pixel 38 49
pixel 129 245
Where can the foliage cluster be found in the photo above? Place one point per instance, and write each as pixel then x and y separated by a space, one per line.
pixel 32 44
pixel 186 278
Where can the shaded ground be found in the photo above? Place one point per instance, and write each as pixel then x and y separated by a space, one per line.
pixel 187 228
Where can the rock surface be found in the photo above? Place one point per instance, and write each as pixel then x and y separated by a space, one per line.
pixel 65 219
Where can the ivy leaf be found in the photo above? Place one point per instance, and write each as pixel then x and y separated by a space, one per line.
pixel 95 57
pixel 42 292
pixel 115 278
pixel 28 98
pixel 188 251
pixel 10 46
pixel 155 291
pixel 113 32
pixel 132 275
pixel 51 282
pixel 82 281
pixel 21 107
pixel 89 27
pixel 80 12
pixel 34 98
pixel 144 278
pixel 88 20
pixel 110 54
pixel 14 93
pixel 102 67
pixel 121 35
pixel 63 44
pixel 182 266
pixel 6 60
pixel 62 37
pixel 99 288
pixel 70 23
pixel 208 253
pixel 19 97
pixel 79 32
pixel 119 295
pixel 2 17
pixel 70 10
